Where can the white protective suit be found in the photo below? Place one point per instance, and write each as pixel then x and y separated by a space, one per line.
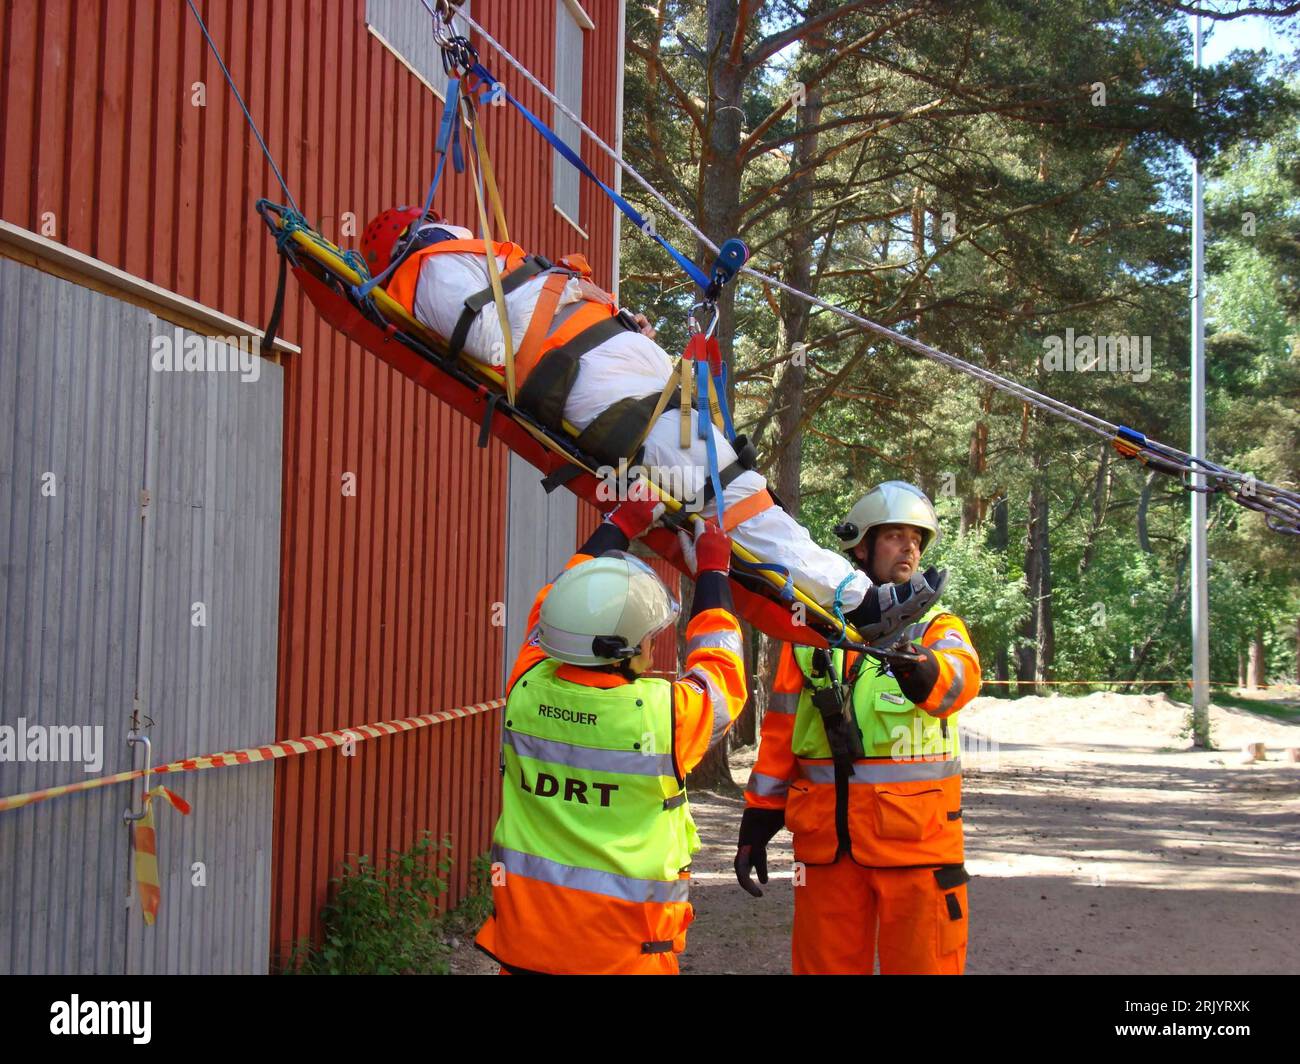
pixel 630 365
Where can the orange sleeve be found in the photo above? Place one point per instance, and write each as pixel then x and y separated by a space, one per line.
pixel 711 691
pixel 531 653
pixel 769 781
pixel 959 666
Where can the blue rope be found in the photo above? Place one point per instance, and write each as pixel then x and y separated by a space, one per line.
pixel 838 607
pixel 706 433
pixel 721 380
pixel 787 589
pixel 694 272
pixel 243 107
pixel 447 131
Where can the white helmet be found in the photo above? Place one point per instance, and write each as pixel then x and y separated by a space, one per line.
pixel 603 610
pixel 895 502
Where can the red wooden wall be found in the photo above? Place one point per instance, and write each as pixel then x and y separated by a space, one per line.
pixel 386 597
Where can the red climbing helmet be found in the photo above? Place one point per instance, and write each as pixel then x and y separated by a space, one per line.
pixel 385 232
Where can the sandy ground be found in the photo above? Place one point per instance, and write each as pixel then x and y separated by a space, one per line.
pixel 1099 842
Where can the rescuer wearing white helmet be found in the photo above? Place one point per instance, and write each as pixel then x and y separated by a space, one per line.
pixel 863 765
pixel 899 593
pixel 595 834
pixel 606 611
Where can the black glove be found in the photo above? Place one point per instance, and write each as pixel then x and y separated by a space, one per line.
pixel 889 607
pixel 916 679
pixel 757 826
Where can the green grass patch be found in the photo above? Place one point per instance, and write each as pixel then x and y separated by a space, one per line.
pixel 1285 711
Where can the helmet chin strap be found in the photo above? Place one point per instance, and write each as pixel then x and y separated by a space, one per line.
pixel 613 646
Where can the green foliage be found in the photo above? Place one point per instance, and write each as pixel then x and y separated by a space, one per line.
pixel 382 921
pixel 968 190
pixel 476 906
pixel 980 591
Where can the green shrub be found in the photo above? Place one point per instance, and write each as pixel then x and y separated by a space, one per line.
pixel 382 921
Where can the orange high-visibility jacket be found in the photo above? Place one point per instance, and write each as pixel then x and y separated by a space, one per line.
pixel 902 810
pixel 544 927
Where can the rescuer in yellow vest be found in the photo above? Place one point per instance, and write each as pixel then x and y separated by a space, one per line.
pixel 590 854
pixel 868 776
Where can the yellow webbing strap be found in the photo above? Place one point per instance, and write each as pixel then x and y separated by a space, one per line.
pixel 686 371
pixel 490 180
pixel 494 275
pixel 715 406
pixel 664 398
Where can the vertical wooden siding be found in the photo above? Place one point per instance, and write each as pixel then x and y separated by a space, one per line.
pixel 386 596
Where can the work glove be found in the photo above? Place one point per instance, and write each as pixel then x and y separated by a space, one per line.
pixel 916 679
pixel 709 552
pixel 635 516
pixel 757 826
pixel 889 607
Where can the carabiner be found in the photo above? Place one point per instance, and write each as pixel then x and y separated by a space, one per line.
pixel 694 325
pixel 444 33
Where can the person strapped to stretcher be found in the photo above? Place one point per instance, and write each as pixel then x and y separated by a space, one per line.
pixel 580 359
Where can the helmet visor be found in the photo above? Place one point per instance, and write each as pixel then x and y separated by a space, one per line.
pixel 636 565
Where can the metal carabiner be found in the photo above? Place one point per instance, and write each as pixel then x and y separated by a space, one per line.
pixel 132 738
pixel 444 33
pixel 694 325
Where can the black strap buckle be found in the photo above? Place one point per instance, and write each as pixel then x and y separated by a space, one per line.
pixel 952 876
pixel 559 477
pixel 485 429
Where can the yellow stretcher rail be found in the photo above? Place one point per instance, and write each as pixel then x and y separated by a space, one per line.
pixel 330 256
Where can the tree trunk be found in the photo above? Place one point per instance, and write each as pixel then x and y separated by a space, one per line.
pixel 1001 666
pixel 718 215
pixel 745 731
pixel 1046 624
pixel 972 509
pixel 792 329
pixel 1028 668
pixel 1172 608
pixel 1144 502
pixel 1241 667
pixel 1100 501
pixel 721 166
pixel 1256 675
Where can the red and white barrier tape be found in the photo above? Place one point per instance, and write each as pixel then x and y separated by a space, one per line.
pixel 308 744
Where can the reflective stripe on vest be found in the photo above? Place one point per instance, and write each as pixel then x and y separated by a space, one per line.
pixel 882 771
pixel 783 702
pixel 631 762
pixel 891 725
pixel 590 783
pixel 717 702
pixel 715 641
pixel 625 888
pixel 762 784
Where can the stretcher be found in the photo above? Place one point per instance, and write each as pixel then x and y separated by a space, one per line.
pixel 331 278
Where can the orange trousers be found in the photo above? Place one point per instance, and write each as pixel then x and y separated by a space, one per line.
pixel 844 913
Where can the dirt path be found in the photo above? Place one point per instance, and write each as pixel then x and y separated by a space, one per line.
pixel 1099 843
